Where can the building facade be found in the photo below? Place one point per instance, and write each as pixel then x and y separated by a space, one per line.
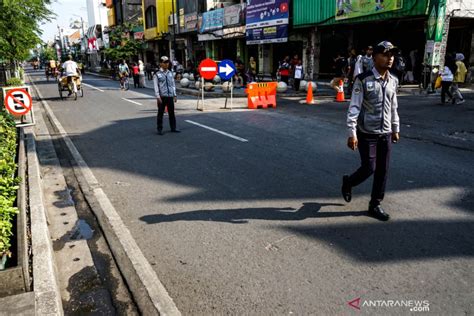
pixel 157 23
pixel 331 29
pixel 94 39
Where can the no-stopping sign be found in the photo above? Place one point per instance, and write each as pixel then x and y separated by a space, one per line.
pixel 18 102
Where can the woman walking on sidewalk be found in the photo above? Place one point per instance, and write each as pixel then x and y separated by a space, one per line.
pixel 141 74
pixel 135 72
pixel 446 81
pixel 459 78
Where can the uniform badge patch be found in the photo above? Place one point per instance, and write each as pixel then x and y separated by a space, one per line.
pixel 356 90
pixel 370 86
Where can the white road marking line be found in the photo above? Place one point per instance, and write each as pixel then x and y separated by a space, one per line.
pixel 243 140
pixel 88 85
pixel 132 101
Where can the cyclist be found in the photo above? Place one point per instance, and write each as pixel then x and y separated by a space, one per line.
pixel 123 73
pixel 72 70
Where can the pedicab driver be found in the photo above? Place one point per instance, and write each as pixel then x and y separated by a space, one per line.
pixel 71 70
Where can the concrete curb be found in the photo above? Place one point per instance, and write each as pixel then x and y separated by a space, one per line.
pixel 45 282
pixel 147 290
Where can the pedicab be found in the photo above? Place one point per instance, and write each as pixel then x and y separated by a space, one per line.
pixel 76 86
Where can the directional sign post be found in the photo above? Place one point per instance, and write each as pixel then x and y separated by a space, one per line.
pixel 18 102
pixel 226 69
pixel 208 69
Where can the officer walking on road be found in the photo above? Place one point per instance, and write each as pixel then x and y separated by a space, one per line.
pixel 165 92
pixel 373 124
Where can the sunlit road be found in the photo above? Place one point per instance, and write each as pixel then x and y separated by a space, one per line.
pixel 254 223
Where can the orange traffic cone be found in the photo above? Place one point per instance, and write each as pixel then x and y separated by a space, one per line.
pixel 309 96
pixel 340 92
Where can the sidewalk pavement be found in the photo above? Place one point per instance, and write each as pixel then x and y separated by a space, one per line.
pixel 324 89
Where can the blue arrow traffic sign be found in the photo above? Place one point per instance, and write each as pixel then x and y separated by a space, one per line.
pixel 226 69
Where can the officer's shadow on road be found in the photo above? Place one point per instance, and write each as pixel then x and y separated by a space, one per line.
pixel 243 215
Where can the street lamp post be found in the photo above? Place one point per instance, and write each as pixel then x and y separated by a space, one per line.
pixel 174 30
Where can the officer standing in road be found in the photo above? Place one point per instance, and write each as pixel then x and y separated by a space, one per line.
pixel 165 92
pixel 373 124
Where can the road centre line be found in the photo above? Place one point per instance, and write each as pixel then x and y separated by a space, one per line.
pixel 131 101
pixel 88 85
pixel 243 140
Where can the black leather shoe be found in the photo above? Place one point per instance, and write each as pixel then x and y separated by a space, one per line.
pixel 346 189
pixel 378 213
pixel 160 132
pixel 175 131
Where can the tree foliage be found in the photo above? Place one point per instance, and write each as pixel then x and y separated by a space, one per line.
pixel 122 44
pixel 48 53
pixel 19 27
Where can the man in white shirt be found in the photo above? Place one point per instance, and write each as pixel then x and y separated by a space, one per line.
pixel 72 70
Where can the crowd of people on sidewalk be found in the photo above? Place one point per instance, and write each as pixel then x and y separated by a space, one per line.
pixel 407 69
pixel 347 67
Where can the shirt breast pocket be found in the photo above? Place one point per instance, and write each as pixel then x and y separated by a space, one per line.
pixel 373 97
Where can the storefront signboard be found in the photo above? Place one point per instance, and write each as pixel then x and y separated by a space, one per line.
pixel 272 34
pixel 263 13
pixel 212 20
pixel 348 9
pixel 234 15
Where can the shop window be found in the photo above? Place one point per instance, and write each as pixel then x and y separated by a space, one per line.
pixel 150 17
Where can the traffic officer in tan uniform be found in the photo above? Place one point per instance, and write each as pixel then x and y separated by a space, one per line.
pixel 373 124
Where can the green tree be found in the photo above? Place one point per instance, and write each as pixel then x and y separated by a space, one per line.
pixel 19 27
pixel 48 53
pixel 122 44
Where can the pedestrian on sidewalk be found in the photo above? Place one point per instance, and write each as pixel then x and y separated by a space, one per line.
pixel 351 63
pixel 340 65
pixel 447 78
pixel 284 69
pixel 298 75
pixel 373 124
pixel 459 78
pixel 141 74
pixel 149 71
pixel 135 72
pixel 368 60
pixel 165 92
pixel 252 72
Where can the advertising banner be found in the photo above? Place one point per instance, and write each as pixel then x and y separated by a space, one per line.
pixel 347 9
pixel 212 20
pixel 263 13
pixel 234 15
pixel 190 22
pixel 272 34
pixel 435 45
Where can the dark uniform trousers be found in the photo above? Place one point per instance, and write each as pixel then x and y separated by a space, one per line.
pixel 374 150
pixel 166 102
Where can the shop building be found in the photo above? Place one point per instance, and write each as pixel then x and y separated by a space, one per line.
pixel 157 26
pixel 331 28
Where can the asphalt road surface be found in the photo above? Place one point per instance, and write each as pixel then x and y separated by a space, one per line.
pixel 241 213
